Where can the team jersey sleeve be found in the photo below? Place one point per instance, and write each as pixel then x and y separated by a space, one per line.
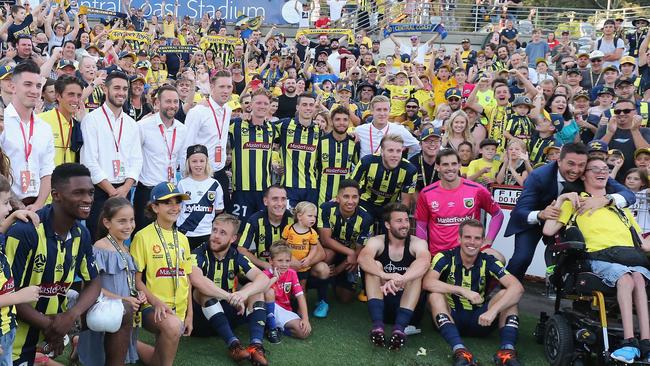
pixel 487 202
pixel 218 198
pixel 296 289
pixel 440 262
pixel 138 251
pixel 313 237
pixel 286 232
pixel 566 211
pixel 86 267
pixel 323 216
pixel 247 236
pixel 496 268
pixel 359 171
pixel 364 234
pixel 422 208
pixel 19 249
pixel 410 180
pixel 244 263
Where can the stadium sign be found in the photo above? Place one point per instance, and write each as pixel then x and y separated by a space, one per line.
pixel 506 196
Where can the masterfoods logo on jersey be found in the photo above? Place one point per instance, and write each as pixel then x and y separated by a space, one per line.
pixel 273 11
pixel 169 272
pixel 452 220
pixel 53 289
pixel 301 147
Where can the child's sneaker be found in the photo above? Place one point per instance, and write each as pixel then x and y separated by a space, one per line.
pixel 397 340
pixel 377 337
pixel 274 335
pixel 322 309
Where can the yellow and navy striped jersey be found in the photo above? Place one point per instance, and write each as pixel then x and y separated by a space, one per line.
pixel 221 272
pixel 298 145
pixel 252 147
pixel 336 160
pixel 39 257
pixel 258 233
pixel 450 266
pixel 521 127
pixel 379 185
pixel 537 146
pixel 7 285
pixel 352 231
pixel 497 117
pixel 95 99
pixel 150 257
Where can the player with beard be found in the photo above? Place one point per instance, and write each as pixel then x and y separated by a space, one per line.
pixel 217 306
pixel 112 149
pixel 288 101
pixel 162 138
pixel 394 265
pixel 443 205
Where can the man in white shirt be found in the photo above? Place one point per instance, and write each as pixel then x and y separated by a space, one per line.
pixel 27 140
pixel 162 138
pixel 209 125
pixel 111 150
pixel 370 134
pixel 415 48
pixel 611 45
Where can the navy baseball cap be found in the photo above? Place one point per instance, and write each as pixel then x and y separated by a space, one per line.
pixel 430 131
pixel 453 93
pixel 598 145
pixel 164 191
pixel 6 71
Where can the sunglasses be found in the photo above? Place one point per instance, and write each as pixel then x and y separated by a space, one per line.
pixel 623 111
pixel 411 106
pixel 597 60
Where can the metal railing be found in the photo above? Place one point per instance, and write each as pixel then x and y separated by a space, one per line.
pixel 463 17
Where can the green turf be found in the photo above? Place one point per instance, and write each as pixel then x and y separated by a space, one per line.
pixel 342 339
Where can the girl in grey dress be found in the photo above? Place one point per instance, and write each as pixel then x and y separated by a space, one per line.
pixel 117 272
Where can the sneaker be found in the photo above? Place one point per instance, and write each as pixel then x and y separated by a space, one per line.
pixel 362 297
pixel 397 340
pixel 626 354
pixel 377 337
pixel 412 330
pixel 274 335
pixel 463 357
pixel 238 353
pixel 644 347
pixel 506 357
pixel 258 355
pixel 321 310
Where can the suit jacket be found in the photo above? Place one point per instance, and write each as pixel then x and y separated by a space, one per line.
pixel 540 189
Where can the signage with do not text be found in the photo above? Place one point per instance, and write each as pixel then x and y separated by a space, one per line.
pixel 506 196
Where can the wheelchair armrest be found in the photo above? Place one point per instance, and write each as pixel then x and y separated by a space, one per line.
pixel 568 245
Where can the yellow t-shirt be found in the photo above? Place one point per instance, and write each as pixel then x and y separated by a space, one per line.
pixel 156 78
pixel 476 165
pixel 486 98
pixel 398 97
pixel 150 257
pixel 300 243
pixel 601 229
pixel 424 97
pixel 62 136
pixel 168 29
pixel 440 87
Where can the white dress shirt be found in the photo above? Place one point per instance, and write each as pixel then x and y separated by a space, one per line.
pixel 99 153
pixel 41 158
pixel 156 149
pixel 363 134
pixel 202 129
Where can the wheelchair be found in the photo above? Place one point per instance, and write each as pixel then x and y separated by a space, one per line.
pixel 588 329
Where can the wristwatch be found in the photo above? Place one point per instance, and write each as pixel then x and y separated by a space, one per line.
pixel 610 199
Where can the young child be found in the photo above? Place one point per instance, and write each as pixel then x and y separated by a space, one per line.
pixel 465 151
pixel 8 296
pixel 598 149
pixel 206 197
pixel 636 180
pixel 162 256
pixel 306 255
pixel 615 160
pixel 515 167
pixel 519 125
pixel 552 153
pixel 542 138
pixel 642 159
pixel 282 317
pixel 484 169
pixel 117 273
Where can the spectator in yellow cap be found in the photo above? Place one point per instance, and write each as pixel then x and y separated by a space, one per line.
pixel 642 158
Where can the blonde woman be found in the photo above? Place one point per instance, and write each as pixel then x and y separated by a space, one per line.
pixel 457 130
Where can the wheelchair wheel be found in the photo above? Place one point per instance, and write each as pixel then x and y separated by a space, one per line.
pixel 558 341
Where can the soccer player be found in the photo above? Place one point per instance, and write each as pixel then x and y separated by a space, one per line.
pixel 386 177
pixel 394 265
pixel 344 227
pixel 265 227
pixel 217 305
pixel 458 297
pixel 162 256
pixel 51 255
pixel 298 144
pixel 251 143
pixel 61 118
pixel 338 153
pixel 442 206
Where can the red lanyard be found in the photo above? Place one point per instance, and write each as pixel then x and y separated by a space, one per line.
pixel 216 121
pixel 28 141
pixel 372 149
pixel 119 137
pixel 65 144
pixel 169 151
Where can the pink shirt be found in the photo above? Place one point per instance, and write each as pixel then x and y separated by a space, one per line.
pixel 287 283
pixel 443 210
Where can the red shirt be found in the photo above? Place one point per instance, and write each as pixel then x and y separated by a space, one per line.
pixel 286 284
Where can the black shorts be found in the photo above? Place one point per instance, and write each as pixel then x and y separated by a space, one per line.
pixel 345 279
pixel 467 322
pixel 201 326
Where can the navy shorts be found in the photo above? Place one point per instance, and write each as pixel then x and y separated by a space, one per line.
pixel 467 322
pixel 246 203
pixel 296 195
pixel 344 279
pixel 201 327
